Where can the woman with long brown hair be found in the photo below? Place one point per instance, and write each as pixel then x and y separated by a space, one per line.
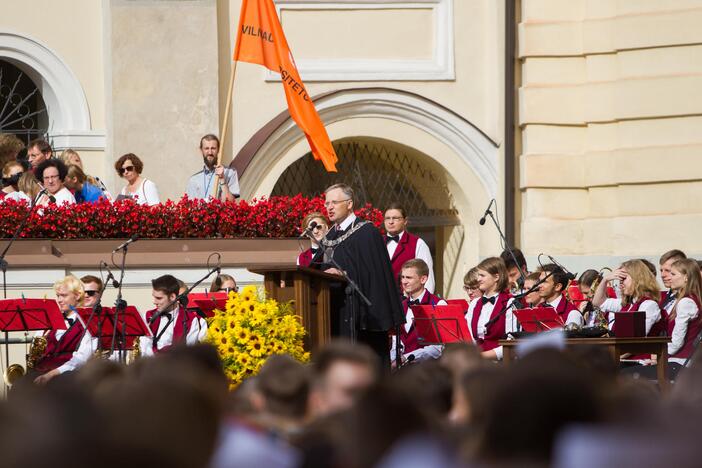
pixel 639 292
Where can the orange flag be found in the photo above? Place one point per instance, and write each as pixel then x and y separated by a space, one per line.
pixel 260 40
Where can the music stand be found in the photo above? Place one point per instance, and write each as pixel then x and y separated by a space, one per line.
pixel 440 324
pixel 30 315
pixel 110 328
pixel 459 302
pixel 538 319
pixel 207 302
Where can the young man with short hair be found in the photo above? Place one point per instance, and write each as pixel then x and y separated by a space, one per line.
pixel 173 324
pixel 552 291
pixel 414 276
pixel 516 271
pixel 667 298
pixel 402 245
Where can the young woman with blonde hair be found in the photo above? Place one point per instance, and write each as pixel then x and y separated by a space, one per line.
pixel 639 292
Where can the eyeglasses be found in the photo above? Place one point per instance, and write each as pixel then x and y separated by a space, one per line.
pixel 331 203
pixel 470 288
pixel 394 218
pixel 91 293
pixel 51 177
pixel 124 170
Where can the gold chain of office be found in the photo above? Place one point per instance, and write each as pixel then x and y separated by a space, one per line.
pixel 333 243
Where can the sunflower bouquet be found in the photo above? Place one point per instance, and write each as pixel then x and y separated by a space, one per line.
pixel 250 329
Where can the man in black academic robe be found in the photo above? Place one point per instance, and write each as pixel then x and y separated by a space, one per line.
pixel 360 251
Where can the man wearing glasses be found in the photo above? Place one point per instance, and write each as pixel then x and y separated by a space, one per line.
pixel 213 178
pixel 403 245
pixel 93 290
pixel 38 151
pixel 357 247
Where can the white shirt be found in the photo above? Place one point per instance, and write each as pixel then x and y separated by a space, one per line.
pixel 420 354
pixel 653 312
pixel 347 222
pixel 196 333
pixel 147 194
pixel 685 311
pixel 574 316
pixel 63 196
pixel 421 252
pixel 85 350
pixel 485 313
pixel 17 196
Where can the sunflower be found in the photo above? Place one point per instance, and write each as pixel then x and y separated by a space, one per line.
pixel 257 348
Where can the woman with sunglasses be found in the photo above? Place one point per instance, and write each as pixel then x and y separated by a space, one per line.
pixel 223 283
pixel 318 233
pixel 141 190
pixel 11 173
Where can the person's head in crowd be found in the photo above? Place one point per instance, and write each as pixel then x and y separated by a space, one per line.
pixel 413 277
pixel 321 228
pixel 70 157
pixel 281 393
pixel 430 385
pixel 685 281
pixel 209 147
pixel 666 262
pixel 341 371
pixel 472 393
pixel 492 276
pixel 470 284
pixel 52 174
pixel 555 282
pixel 513 268
pixel 10 146
pixel 637 282
pixel 586 280
pixel 75 178
pixel 395 219
pixel 129 167
pixel 338 202
pixel 38 151
pixel 224 282
pixel 92 285
pixel 69 293
pixel 29 185
pixel 534 297
pixel 11 173
pixel 545 391
pixel 460 357
pixel 165 289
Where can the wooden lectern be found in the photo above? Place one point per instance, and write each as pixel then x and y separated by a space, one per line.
pixel 309 290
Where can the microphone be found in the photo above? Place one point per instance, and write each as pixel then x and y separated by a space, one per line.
pixel 115 283
pixel 134 238
pixel 487 212
pixel 44 191
pixel 308 232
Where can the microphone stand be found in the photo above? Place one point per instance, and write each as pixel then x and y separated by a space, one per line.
pixel 120 307
pixel 488 212
pixel 177 299
pixel 4 265
pixel 517 298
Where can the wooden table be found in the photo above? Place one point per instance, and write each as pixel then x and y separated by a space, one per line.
pixel 657 345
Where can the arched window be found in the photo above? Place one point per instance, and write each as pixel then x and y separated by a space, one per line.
pixel 22 108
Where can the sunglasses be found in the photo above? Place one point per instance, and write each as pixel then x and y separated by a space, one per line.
pixel 124 170
pixel 228 290
pixel 91 293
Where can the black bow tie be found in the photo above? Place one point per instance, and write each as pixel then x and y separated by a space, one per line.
pixel 392 238
pixel 167 316
pixel 70 321
pixel 414 302
pixel 485 300
pixel 314 250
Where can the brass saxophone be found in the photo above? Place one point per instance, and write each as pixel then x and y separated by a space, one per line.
pixel 14 372
pixel 135 352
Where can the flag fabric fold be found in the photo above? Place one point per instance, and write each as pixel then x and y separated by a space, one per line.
pixel 260 40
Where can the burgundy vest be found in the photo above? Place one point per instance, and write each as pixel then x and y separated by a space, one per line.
pixel 693 329
pixel 406 250
pixel 60 351
pixel 178 332
pixel 495 331
pixel 305 258
pixel 410 340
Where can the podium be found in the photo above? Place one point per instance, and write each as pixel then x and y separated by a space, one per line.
pixel 309 290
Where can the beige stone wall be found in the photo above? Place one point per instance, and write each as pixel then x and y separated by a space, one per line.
pixel 609 113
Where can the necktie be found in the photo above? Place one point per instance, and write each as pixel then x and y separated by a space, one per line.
pixel 485 300
pixel 392 238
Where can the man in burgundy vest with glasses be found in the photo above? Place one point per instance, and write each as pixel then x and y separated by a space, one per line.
pixel 403 245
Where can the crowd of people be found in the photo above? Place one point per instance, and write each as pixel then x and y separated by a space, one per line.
pixel 61 179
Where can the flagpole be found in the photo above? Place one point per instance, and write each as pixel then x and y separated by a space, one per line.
pixel 225 122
